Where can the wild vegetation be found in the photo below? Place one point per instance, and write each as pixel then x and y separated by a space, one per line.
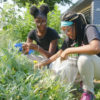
pixel 18 79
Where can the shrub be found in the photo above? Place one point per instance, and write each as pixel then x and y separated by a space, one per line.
pixel 18 80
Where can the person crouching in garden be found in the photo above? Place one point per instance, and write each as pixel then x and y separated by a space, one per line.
pixel 45 37
pixel 87 38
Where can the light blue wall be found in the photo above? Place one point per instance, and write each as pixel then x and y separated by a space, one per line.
pixel 96 13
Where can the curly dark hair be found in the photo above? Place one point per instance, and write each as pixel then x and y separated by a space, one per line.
pixel 43 10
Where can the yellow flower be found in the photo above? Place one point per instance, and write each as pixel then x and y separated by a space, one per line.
pixel 35 61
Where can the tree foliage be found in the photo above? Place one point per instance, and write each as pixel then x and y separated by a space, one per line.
pixel 18 27
pixel 51 3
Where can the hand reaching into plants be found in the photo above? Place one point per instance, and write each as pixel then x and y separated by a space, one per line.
pixel 25 48
pixel 64 54
pixel 40 65
pixel 36 66
pixel 28 46
pixel 32 46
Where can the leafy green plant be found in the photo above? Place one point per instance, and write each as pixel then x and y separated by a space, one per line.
pixel 19 80
pixel 54 19
pixel 49 2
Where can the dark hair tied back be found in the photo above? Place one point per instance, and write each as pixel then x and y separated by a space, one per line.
pixel 34 11
pixel 70 16
pixel 44 9
pixel 80 23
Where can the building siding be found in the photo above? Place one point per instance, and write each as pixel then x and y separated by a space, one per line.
pixel 96 13
pixel 91 10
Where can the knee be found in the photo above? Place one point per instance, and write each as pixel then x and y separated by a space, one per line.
pixel 83 60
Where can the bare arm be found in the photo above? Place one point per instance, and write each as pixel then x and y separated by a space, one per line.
pixel 92 48
pixel 52 47
pixel 51 59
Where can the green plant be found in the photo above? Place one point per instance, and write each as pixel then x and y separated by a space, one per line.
pixel 54 19
pixel 19 80
pixel 49 2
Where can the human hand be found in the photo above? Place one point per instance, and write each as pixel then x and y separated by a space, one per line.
pixel 40 65
pixel 37 66
pixel 32 46
pixel 63 55
pixel 25 48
